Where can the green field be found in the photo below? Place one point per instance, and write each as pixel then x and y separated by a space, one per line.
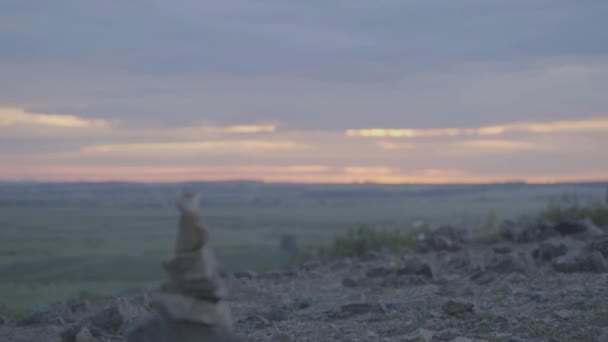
pixel 63 240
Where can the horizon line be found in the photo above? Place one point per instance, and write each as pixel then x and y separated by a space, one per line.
pixel 236 180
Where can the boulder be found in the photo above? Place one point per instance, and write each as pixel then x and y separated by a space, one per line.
pixel 527 232
pixel 578 227
pixel 56 313
pixel 584 261
pixel 415 266
pixel 446 238
pixel 550 249
pixel 600 245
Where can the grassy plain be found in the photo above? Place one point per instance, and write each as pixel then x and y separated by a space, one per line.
pixel 76 239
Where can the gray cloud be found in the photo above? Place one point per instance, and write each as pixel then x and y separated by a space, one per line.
pixel 310 64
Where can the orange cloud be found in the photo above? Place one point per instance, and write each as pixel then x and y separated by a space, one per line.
pixel 13 117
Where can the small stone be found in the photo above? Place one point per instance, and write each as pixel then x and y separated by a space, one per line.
pixel 446 335
pixel 502 249
pixel 255 321
pixel 466 339
pixel 85 335
pixel 355 309
pixel 378 272
pixel 420 335
pixel 415 266
pixel 563 314
pixel 281 338
pixel 458 308
pixel 245 275
pixel 349 282
pixel 507 263
pixel 275 315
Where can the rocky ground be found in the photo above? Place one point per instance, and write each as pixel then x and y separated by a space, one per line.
pixel 538 282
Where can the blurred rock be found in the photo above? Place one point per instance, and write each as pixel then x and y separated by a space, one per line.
pixel 578 227
pixel 416 266
pixel 458 309
pixel 550 249
pixel 111 319
pixel 526 232
pixel 55 314
pixel 448 238
pixel 245 275
pixel 583 261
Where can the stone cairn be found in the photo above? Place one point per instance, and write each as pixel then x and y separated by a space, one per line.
pixel 190 305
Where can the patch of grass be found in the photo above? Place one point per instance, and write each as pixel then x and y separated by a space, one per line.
pixel 597 211
pixel 359 241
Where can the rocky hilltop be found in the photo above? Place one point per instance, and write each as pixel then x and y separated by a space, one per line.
pixel 532 282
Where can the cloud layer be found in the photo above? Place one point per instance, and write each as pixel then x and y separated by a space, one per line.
pixel 318 90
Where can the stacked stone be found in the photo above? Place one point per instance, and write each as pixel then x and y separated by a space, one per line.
pixel 191 305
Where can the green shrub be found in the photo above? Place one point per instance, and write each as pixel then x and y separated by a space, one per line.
pixel 359 241
pixel 596 211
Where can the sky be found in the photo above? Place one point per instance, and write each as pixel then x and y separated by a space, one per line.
pixel 389 91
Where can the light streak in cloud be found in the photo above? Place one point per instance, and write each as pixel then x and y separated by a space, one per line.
pixel 222 146
pixel 385 145
pixel 496 145
pixel 14 117
pixel 552 127
pixel 210 129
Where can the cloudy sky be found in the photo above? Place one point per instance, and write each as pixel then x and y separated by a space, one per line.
pixel 307 91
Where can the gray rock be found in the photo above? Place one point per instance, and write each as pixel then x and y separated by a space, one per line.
pixel 254 321
pixel 378 272
pixel 563 314
pixel 550 249
pixel 415 266
pixel 578 227
pixel 349 282
pixel 281 338
pixel 447 238
pixel 502 249
pixel 524 233
pixel 55 314
pixel 3 320
pixel 602 336
pixel 458 309
pixel 507 263
pixel 245 275
pixel 582 262
pixel 154 328
pixel 420 335
pixel 600 245
pixel 354 309
pixel 446 335
pixel 111 319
